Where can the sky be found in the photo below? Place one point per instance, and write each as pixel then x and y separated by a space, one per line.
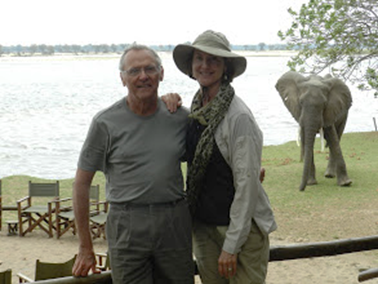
pixel 148 22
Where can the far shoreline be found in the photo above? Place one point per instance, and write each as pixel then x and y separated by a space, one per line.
pixel 71 56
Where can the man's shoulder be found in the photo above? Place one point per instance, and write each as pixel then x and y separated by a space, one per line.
pixel 181 113
pixel 111 110
pixel 183 110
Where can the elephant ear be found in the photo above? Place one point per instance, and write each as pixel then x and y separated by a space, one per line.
pixel 339 100
pixel 287 87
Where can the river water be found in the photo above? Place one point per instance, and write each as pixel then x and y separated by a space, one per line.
pixel 47 103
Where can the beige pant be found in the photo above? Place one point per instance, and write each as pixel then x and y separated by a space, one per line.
pixel 252 261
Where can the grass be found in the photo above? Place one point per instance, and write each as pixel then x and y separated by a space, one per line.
pixel 284 172
pixel 325 210
pixel 322 212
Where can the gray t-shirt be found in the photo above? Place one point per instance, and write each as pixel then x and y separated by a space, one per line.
pixel 140 156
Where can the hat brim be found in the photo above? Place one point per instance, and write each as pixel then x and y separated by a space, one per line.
pixel 182 56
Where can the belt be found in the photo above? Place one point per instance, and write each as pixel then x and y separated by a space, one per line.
pixel 148 205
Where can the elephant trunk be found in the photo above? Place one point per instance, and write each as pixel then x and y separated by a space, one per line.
pixel 308 134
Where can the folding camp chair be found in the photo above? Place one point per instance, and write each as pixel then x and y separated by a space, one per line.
pixel 12 224
pixel 64 214
pixel 1 207
pixel 37 213
pixel 49 270
pixel 6 277
pixel 97 222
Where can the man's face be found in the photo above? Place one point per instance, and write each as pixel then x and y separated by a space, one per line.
pixel 141 74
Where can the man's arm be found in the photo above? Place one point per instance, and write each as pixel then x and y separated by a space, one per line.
pixel 85 260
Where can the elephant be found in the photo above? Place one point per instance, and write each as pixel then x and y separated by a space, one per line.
pixel 318 102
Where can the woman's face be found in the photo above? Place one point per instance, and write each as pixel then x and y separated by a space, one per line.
pixel 207 69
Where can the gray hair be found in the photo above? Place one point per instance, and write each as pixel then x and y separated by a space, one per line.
pixel 135 46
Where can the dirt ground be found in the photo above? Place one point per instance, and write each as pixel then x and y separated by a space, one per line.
pixel 20 253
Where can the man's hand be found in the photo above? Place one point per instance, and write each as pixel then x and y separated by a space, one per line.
pixel 85 261
pixel 172 101
pixel 227 264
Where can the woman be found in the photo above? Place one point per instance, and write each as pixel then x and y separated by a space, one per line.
pixel 232 216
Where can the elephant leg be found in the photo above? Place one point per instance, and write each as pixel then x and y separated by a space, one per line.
pixel 336 164
pixel 331 167
pixel 340 125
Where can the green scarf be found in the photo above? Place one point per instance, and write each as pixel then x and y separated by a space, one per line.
pixel 210 116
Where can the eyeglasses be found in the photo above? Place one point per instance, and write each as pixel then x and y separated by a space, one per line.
pixel 148 70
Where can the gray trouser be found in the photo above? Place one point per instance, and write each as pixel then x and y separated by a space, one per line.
pixel 150 243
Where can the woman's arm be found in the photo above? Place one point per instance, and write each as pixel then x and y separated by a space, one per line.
pixel 172 101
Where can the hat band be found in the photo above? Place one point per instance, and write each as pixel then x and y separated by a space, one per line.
pixel 213 44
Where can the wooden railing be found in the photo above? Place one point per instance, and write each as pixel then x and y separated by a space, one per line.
pixel 102 278
pixel 320 249
pixel 277 253
pixel 368 274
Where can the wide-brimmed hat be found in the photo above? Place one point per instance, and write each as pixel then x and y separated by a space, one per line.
pixel 211 42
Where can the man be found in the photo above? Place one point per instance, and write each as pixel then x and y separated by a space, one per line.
pixel 138 144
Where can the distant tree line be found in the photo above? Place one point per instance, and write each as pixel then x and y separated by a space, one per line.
pixel 44 49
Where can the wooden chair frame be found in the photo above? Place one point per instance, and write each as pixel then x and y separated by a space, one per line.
pixel 103 261
pixel 37 215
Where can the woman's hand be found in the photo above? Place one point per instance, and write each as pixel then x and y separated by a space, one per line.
pixel 227 264
pixel 262 174
pixel 172 101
